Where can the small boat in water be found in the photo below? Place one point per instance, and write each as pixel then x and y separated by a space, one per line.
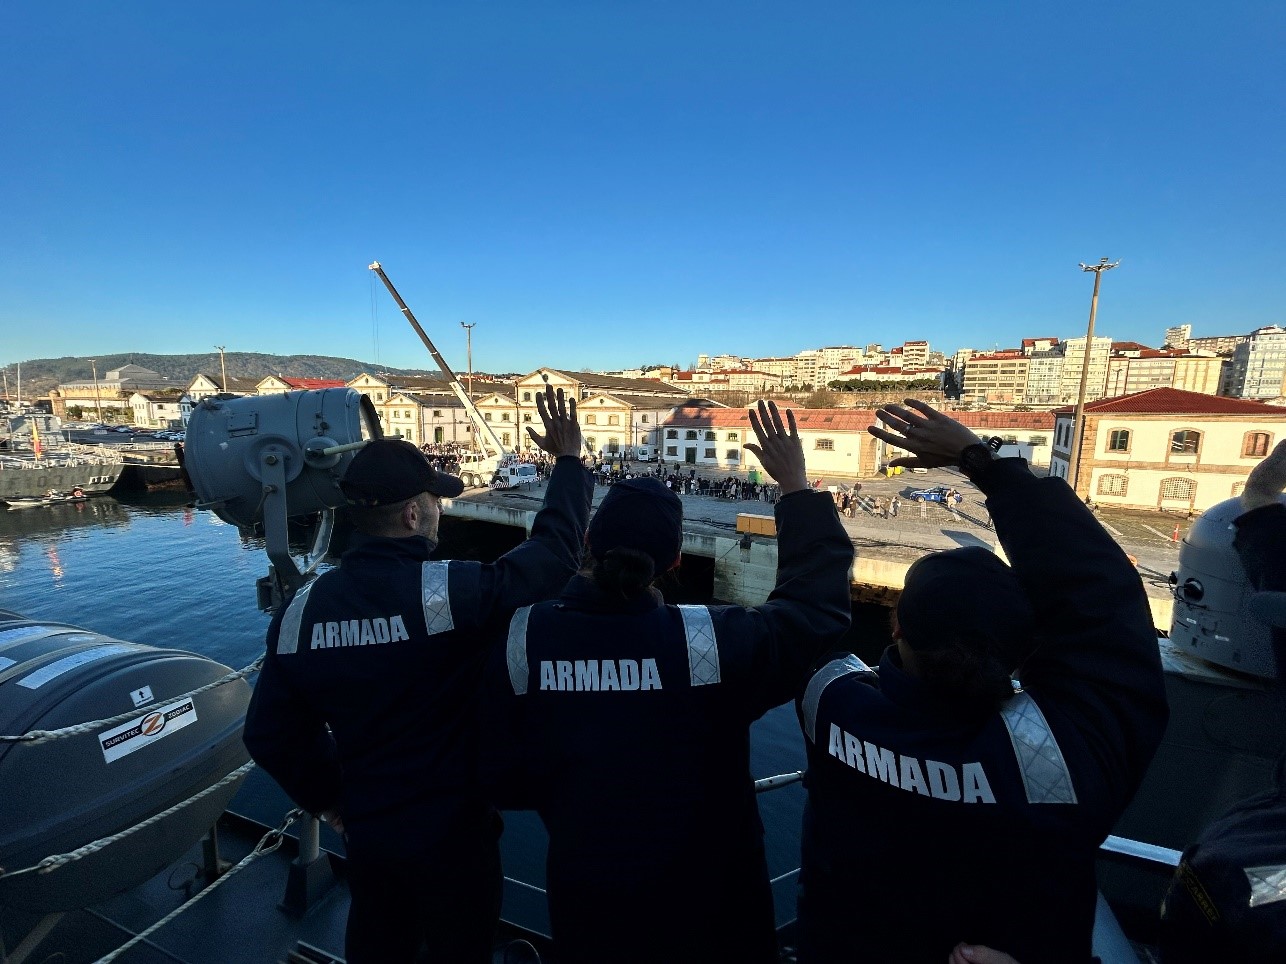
pixel 53 498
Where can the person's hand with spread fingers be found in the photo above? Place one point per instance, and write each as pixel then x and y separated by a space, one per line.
pixel 779 451
pixel 1266 480
pixel 934 438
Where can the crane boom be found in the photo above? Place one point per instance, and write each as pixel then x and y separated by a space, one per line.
pixel 486 434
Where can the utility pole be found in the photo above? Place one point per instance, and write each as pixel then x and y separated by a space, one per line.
pixel 468 335
pixel 224 365
pixel 98 400
pixel 1078 427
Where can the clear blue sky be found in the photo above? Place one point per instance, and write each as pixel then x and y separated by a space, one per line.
pixel 604 184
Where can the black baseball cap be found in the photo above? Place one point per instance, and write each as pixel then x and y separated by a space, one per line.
pixel 389 470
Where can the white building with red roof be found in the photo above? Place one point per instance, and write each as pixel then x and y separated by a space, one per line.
pixel 1165 448
pixel 836 443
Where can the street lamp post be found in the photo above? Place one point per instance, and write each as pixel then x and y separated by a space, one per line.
pixel 98 400
pixel 468 340
pixel 1078 427
pixel 224 366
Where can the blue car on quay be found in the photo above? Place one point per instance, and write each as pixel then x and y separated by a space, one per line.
pixel 938 493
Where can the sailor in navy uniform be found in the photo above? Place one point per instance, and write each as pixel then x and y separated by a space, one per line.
pixel 363 710
pixel 625 723
pixel 944 805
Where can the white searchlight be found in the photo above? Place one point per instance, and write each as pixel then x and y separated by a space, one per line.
pixel 264 459
pixel 1218 615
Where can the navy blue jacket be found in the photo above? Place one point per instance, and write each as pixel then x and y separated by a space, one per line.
pixel 922 830
pixel 367 694
pixel 625 724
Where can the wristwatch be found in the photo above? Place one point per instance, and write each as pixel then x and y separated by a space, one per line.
pixel 974 459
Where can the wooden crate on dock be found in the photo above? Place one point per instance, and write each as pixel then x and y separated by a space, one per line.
pixel 756 525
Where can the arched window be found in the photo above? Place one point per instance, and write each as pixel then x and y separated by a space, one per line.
pixel 1112 485
pixel 526 396
pixel 1118 440
pixel 1176 489
pixel 825 444
pixel 1185 442
pixel 1255 444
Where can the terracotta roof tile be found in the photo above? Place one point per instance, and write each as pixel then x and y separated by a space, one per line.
pixel 1174 401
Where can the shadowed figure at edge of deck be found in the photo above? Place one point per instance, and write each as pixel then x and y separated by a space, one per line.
pixel 624 722
pixel 363 712
pixel 945 804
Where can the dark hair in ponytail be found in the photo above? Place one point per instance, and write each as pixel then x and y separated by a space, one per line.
pixel 969 675
pixel 623 572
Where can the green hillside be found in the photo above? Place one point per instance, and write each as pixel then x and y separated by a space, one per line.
pixel 39 375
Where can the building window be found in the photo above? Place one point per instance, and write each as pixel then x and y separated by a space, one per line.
pixel 437 413
pixel 734 436
pixel 613 420
pixel 825 444
pixel 709 436
pixel 526 396
pixel 379 396
pixel 1118 440
pixel 1038 439
pixel 1011 439
pixel 487 416
pixel 734 455
pixel 1185 442
pixel 710 454
pixel 591 419
pixel 690 435
pixel 1238 488
pixel 671 433
pixel 613 445
pixel 671 450
pixel 505 438
pixel 1255 444
pixel 1112 485
pixel 526 416
pixel 589 441
pixel 643 419
pixel 1176 489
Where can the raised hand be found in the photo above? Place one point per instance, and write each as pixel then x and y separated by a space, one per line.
pixel 779 451
pixel 1267 479
pixel 936 439
pixel 562 431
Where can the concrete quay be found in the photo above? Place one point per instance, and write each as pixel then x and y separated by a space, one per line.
pixel 883 549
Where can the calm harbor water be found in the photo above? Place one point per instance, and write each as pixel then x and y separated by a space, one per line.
pixel 149 569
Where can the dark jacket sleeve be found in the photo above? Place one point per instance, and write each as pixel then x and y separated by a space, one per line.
pixel 1261 545
pixel 286 736
pixel 770 647
pixel 1097 664
pixel 538 568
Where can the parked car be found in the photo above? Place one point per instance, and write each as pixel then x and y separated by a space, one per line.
pixel 123 428
pixel 939 493
pixel 920 470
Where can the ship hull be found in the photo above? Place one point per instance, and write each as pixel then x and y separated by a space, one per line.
pixel 32 478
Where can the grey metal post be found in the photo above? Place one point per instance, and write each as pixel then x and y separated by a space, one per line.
pixel 1078 429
